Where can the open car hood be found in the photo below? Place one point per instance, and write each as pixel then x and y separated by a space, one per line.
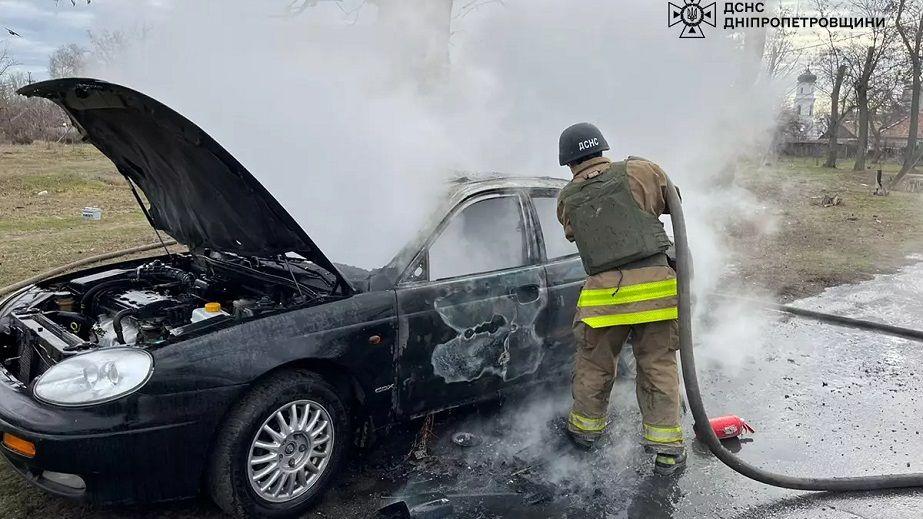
pixel 198 193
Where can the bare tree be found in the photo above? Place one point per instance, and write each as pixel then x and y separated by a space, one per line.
pixel 861 86
pixel 67 61
pixel 837 114
pixel 863 58
pixel 832 80
pixel 832 64
pixel 780 56
pixel 23 120
pixel 6 62
pixel 909 24
pixel 884 103
pixel 106 46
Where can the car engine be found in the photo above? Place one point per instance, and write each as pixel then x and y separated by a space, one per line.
pixel 151 303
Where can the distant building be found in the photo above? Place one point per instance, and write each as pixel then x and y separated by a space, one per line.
pixel 887 132
pixel 895 126
pixel 804 103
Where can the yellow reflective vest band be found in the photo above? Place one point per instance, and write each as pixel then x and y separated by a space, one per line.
pixel 587 424
pixel 649 316
pixel 658 434
pixel 628 294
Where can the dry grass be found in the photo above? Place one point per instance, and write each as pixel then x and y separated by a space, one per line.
pixel 44 188
pixel 813 247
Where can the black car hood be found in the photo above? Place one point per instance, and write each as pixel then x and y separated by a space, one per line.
pixel 198 193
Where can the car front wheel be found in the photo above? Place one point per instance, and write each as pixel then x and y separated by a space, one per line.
pixel 280 447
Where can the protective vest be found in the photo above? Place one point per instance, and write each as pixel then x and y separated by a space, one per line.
pixel 610 229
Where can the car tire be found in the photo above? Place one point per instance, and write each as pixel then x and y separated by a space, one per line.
pixel 235 464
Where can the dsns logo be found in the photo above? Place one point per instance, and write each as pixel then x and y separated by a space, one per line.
pixel 691 15
pixel 588 144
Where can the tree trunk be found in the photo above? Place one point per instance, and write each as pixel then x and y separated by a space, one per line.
pixel 875 133
pixel 834 126
pixel 862 99
pixel 863 145
pixel 913 49
pixel 910 152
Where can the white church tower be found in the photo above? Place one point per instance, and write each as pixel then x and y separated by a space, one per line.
pixel 804 102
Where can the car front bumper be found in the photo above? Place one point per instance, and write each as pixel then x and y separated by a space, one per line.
pixel 141 449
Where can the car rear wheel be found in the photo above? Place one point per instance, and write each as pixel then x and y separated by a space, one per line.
pixel 280 447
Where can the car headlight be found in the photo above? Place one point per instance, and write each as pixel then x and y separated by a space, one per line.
pixel 95 377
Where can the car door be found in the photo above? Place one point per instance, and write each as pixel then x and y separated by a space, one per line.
pixel 564 277
pixel 468 306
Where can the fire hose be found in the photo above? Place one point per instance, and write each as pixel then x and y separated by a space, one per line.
pixel 705 432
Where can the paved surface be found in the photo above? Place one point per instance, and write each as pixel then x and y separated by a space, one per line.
pixel 825 401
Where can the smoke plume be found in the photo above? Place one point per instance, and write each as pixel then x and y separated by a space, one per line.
pixel 356 118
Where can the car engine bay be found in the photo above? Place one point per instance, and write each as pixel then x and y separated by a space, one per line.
pixel 151 303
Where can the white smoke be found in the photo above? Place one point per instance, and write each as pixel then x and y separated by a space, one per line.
pixel 323 113
pixel 333 119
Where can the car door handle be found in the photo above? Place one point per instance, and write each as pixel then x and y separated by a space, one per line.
pixel 526 293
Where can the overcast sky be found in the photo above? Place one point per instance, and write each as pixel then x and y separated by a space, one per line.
pixel 47 24
pixel 44 26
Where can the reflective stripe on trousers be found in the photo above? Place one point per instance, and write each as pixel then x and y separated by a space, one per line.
pixel 582 423
pixel 657 434
pixel 664 314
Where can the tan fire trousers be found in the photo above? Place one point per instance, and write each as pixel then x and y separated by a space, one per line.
pixel 655 346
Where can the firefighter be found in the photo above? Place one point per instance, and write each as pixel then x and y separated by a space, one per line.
pixel 611 210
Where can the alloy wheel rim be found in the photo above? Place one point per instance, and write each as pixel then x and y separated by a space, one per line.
pixel 290 451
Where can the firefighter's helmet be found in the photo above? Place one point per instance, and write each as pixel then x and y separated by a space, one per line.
pixel 580 141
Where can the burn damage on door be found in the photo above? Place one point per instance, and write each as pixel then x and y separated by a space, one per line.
pixel 507 345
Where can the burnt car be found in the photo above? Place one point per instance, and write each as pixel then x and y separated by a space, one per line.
pixel 249 365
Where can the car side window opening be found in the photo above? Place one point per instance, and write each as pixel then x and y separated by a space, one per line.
pixel 485 236
pixel 556 245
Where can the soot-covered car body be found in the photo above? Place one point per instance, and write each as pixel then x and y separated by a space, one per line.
pixel 118 385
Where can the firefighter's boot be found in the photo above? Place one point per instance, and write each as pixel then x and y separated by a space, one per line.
pixel 667 464
pixel 582 440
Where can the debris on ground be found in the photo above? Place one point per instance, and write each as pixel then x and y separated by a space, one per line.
pixel 465 439
pixel 92 213
pixel 880 188
pixel 424 439
pixel 534 491
pixel 431 507
pixel 826 200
